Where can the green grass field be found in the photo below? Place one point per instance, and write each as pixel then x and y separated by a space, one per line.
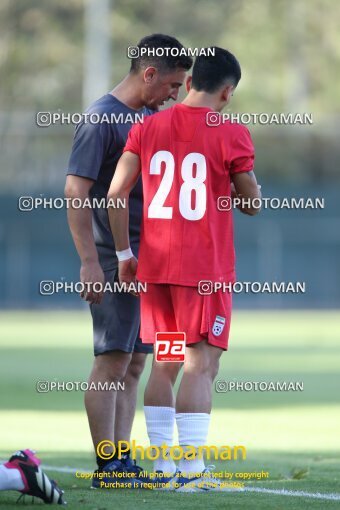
pixel 292 435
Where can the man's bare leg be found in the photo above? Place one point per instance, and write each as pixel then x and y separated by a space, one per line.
pixel 193 403
pixel 200 369
pixel 126 400
pixel 159 409
pixel 101 405
pixel 159 389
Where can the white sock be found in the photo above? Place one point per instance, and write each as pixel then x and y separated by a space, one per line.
pixel 192 431
pixel 160 424
pixel 10 479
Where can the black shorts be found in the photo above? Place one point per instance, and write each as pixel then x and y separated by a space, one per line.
pixel 116 322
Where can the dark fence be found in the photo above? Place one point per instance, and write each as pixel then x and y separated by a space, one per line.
pixel 279 245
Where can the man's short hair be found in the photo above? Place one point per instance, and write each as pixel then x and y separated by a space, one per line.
pixel 168 60
pixel 212 72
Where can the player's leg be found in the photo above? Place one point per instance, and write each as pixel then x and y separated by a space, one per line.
pixel 23 473
pixel 159 390
pixel 126 400
pixel 116 324
pixel 10 479
pixel 207 330
pixel 159 410
pixel 200 369
pixel 159 399
pixel 193 406
pixel 157 315
pixel 100 405
pixel 193 403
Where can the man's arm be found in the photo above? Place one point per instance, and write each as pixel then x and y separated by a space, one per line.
pixel 80 223
pixel 246 188
pixel 124 179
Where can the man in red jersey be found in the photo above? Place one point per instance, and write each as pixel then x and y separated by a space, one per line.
pixel 186 165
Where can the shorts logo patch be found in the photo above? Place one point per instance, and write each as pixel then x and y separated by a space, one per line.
pixel 170 346
pixel 218 325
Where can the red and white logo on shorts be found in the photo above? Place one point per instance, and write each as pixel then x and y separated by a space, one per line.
pixel 218 325
pixel 170 346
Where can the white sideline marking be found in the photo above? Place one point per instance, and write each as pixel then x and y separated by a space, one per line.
pixel 302 494
pixel 279 492
pixel 64 469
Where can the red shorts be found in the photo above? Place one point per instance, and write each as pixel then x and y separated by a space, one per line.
pixel 167 307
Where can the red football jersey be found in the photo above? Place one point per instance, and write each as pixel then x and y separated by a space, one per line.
pixel 186 165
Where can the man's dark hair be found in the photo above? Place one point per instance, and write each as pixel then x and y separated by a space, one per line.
pixel 171 60
pixel 211 72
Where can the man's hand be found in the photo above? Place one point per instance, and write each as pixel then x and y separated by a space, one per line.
pixel 127 270
pixel 246 188
pixel 91 273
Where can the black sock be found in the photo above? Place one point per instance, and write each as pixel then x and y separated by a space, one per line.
pixel 101 463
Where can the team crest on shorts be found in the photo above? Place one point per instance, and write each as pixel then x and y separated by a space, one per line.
pixel 218 325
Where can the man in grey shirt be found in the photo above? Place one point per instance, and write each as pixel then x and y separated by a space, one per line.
pixel 97 147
